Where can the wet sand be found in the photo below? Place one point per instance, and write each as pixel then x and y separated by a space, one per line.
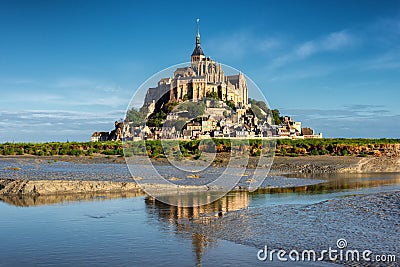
pixel 281 165
pixel 365 221
pixel 31 174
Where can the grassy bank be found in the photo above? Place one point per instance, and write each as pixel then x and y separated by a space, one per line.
pixel 154 148
pixel 61 148
pixel 337 147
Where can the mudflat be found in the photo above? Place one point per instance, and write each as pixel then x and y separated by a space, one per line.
pixel 321 163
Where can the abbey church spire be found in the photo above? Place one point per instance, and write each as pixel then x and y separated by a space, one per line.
pixel 197 54
pixel 198 33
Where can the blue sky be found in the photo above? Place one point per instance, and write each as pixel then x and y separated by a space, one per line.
pixel 68 68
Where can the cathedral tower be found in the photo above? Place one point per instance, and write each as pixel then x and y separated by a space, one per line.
pixel 197 54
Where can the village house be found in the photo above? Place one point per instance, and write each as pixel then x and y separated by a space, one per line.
pixel 99 136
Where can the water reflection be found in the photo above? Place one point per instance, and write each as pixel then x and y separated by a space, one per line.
pixel 115 229
pixel 176 217
pixel 337 182
pixel 38 200
pixel 188 221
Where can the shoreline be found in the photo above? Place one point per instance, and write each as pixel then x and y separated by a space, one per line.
pixel 281 164
pixel 24 175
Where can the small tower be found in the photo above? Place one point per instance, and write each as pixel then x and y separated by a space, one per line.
pixel 197 54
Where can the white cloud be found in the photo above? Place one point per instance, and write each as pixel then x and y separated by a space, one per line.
pixel 73 82
pixel 53 125
pixel 369 121
pixel 389 60
pixel 242 43
pixel 86 84
pixel 304 73
pixel 67 93
pixel 331 42
pixel 336 40
pixel 306 49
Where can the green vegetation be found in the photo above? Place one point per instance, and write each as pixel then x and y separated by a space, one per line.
pixel 334 146
pixel 194 109
pixel 137 117
pixel 57 148
pixel 258 106
pixel 231 104
pixel 213 95
pixel 192 148
pixel 257 111
pixel 276 116
pixel 157 118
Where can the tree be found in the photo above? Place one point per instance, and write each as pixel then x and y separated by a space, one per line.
pixel 231 104
pixel 276 116
pixel 213 95
pixel 169 106
pixel 136 117
pixel 156 119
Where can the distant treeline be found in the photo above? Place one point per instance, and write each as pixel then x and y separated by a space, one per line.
pixel 193 148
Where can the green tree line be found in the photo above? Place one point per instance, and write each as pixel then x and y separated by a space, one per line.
pixel 193 148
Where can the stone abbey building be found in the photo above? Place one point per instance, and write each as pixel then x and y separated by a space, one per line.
pixel 202 77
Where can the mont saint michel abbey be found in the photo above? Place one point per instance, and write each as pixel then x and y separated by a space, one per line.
pixel 229 115
pixel 202 77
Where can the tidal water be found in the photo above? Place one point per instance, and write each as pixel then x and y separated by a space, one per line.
pixel 137 230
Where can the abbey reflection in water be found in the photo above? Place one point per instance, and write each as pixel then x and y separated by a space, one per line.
pixel 177 217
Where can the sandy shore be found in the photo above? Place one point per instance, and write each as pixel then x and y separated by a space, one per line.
pixel 365 222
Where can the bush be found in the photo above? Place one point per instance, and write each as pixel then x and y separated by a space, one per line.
pixel 75 152
pixel 39 153
pixel 324 152
pixel 128 154
pixel 8 151
pixel 108 152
